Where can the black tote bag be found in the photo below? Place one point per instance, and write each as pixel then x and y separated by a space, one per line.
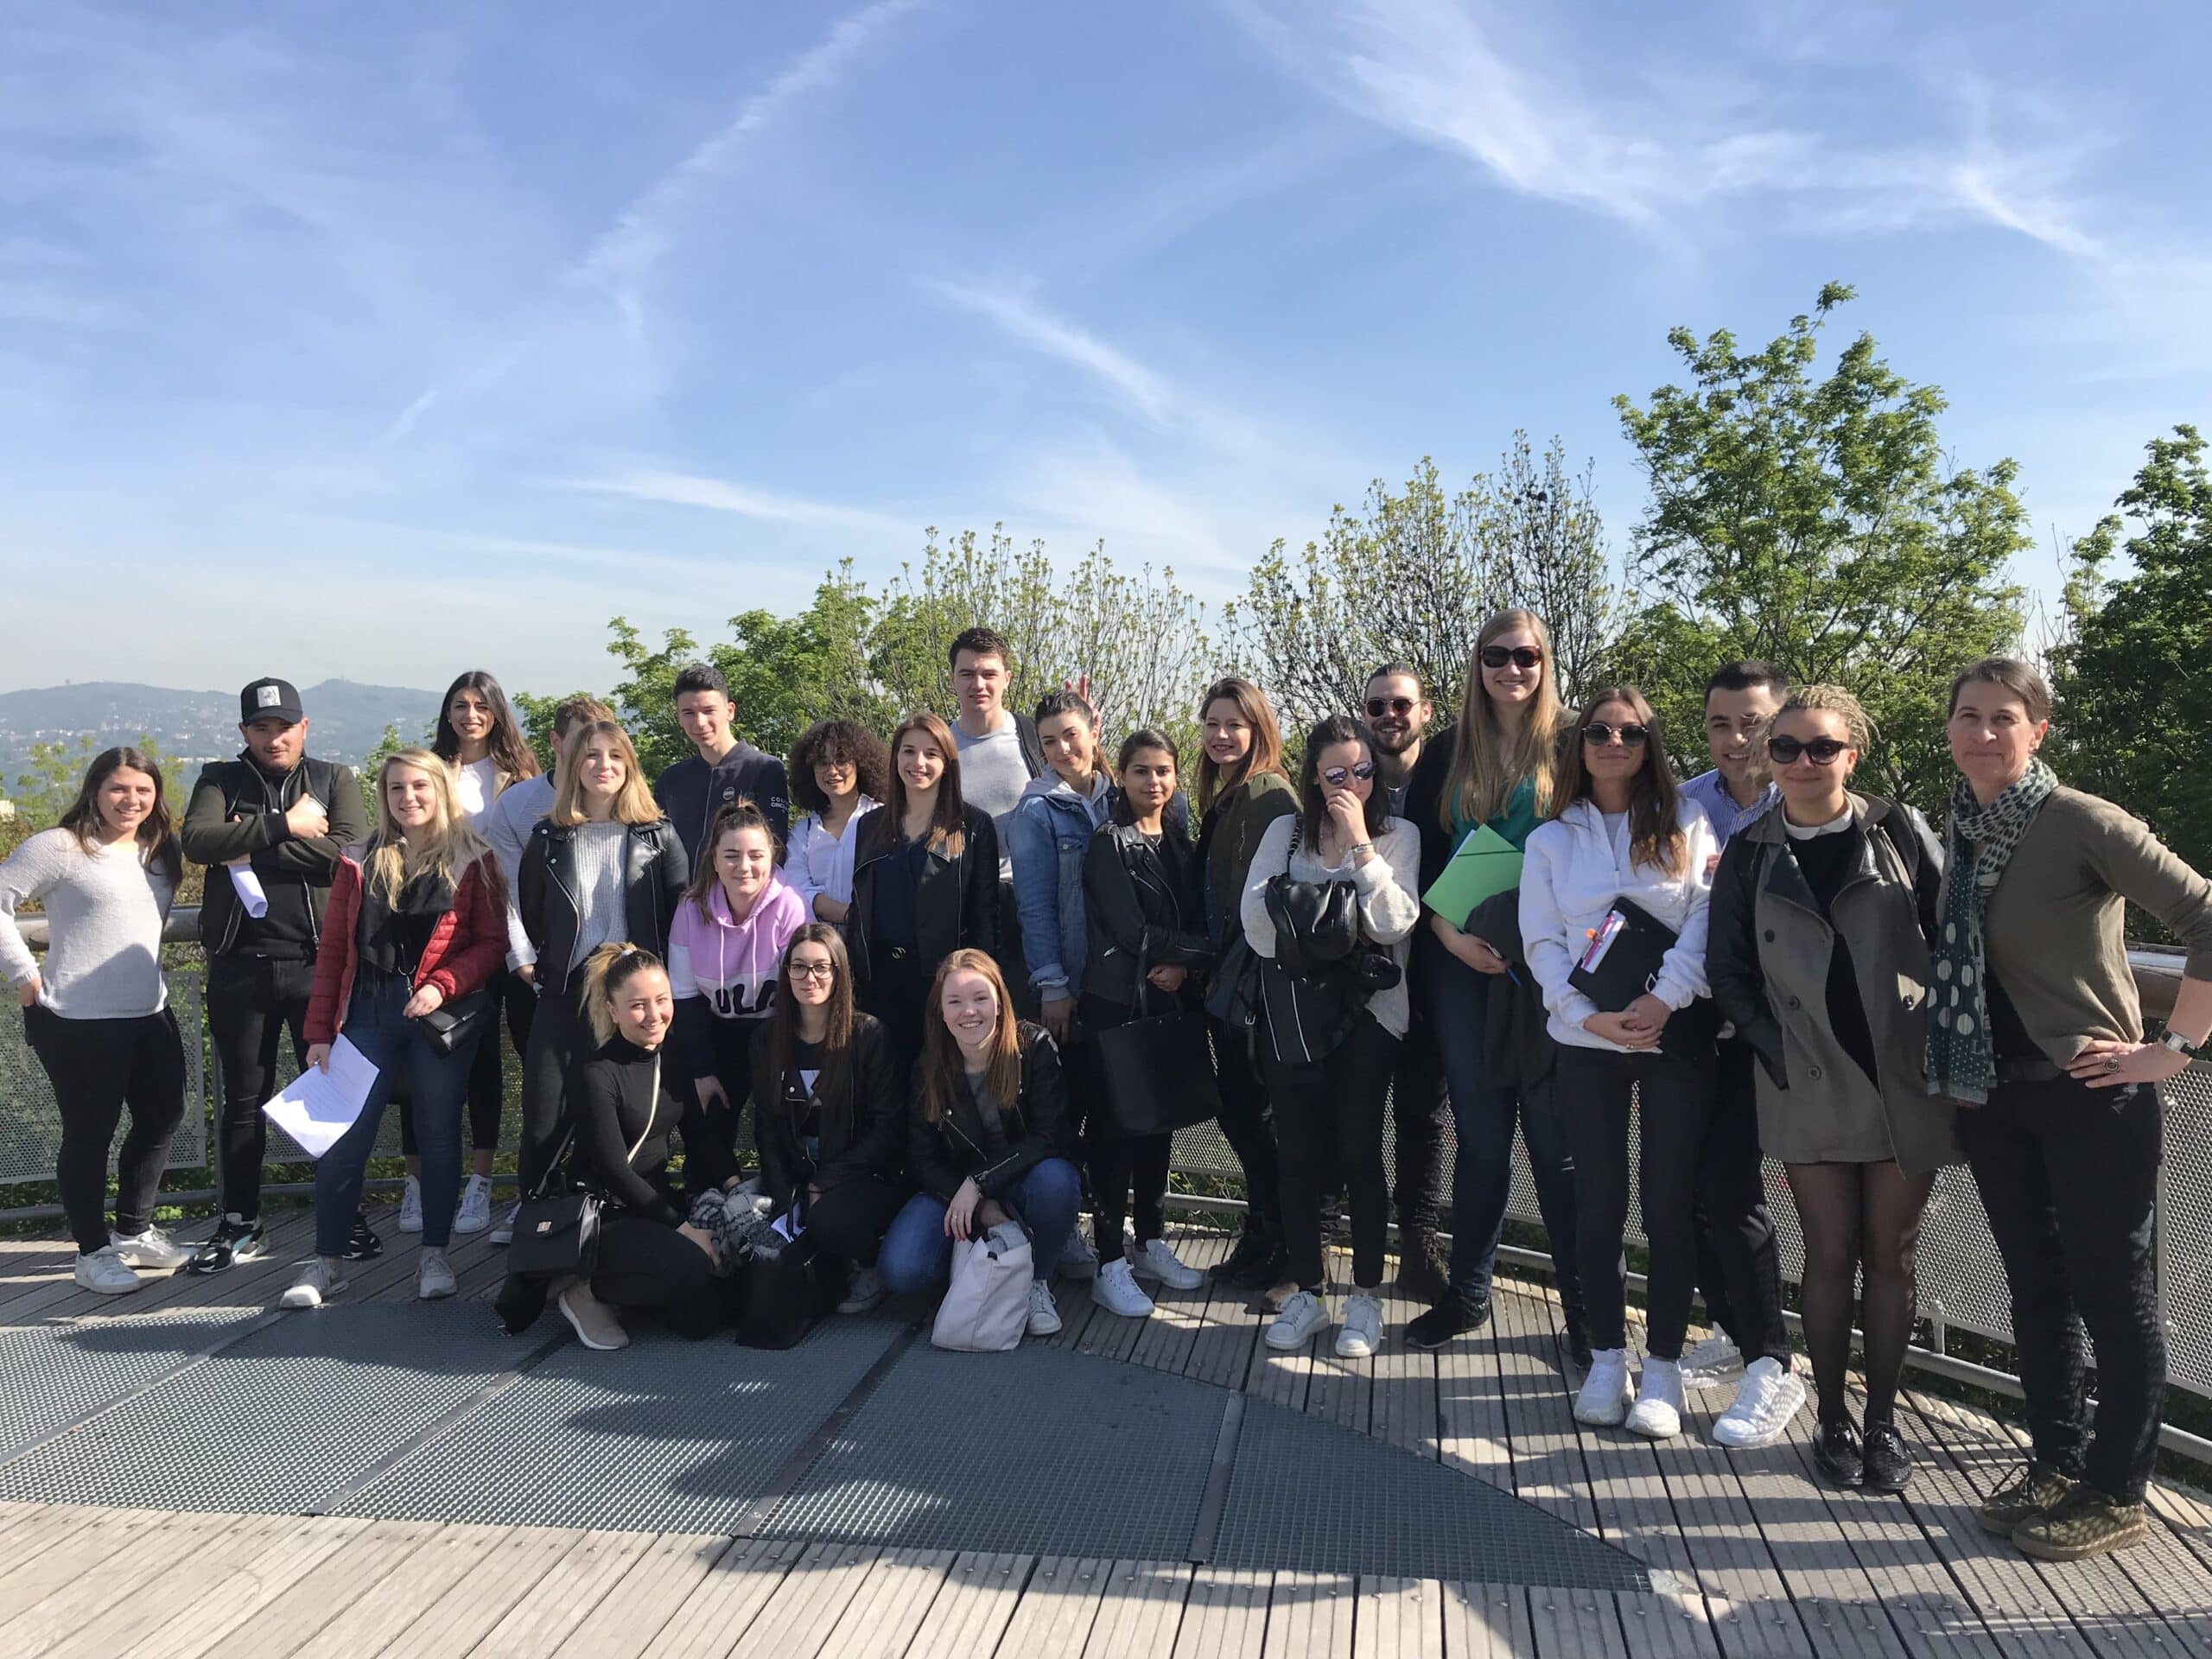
pixel 1157 1069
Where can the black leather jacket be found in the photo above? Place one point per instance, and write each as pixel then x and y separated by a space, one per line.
pixel 1037 1127
pixel 863 1138
pixel 654 872
pixel 1140 905
pixel 955 905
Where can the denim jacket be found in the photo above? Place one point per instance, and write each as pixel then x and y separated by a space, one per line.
pixel 1046 837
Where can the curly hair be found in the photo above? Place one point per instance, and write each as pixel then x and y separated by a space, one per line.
pixel 837 740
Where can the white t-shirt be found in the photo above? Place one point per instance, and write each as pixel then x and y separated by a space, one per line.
pixel 994 772
pixel 476 786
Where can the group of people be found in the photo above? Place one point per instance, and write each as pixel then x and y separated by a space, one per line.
pixel 917 989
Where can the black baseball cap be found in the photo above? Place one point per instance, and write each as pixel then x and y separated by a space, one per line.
pixel 271 700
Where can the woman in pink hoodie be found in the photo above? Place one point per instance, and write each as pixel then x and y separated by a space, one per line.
pixel 723 956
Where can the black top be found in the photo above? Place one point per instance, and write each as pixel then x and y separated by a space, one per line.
pixel 860 1130
pixel 237 810
pixel 1033 1127
pixel 616 1108
pixel 951 900
pixel 1826 863
pixel 2008 1032
pixel 894 893
pixel 1144 902
pixel 389 937
pixel 691 792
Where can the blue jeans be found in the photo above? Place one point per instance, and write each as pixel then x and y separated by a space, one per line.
pixel 917 1252
pixel 439 1085
pixel 1484 1117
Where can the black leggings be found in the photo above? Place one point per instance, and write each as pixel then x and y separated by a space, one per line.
pixel 644 1264
pixel 487 1072
pixel 1329 1116
pixel 98 1067
pixel 710 1133
pixel 559 1037
pixel 847 1222
pixel 1674 1098
pixel 1119 1161
pixel 1248 1127
pixel 1855 1218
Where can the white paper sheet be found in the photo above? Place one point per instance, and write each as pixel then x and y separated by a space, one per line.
pixel 317 1107
pixel 786 1225
pixel 247 885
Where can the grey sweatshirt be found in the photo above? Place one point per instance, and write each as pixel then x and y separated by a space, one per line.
pixel 104 911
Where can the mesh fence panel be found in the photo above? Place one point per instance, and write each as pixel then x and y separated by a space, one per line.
pixel 30 1127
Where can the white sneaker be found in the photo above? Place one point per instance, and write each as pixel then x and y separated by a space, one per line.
pixel 1361 1334
pixel 505 1232
pixel 433 1277
pixel 1657 1412
pixel 151 1248
pixel 1769 1397
pixel 411 1206
pixel 865 1294
pixel 319 1278
pixel 1158 1261
pixel 1077 1259
pixel 596 1324
pixel 476 1212
pixel 105 1271
pixel 1116 1290
pixel 1043 1312
pixel 1712 1362
pixel 1603 1399
pixel 1304 1317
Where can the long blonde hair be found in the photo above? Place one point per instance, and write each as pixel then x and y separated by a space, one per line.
pixel 941 1067
pixel 391 859
pixel 633 802
pixel 1480 782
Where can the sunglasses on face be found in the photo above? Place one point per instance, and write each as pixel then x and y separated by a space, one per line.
pixel 1822 751
pixel 1338 776
pixel 824 971
pixel 1519 656
pixel 1596 734
pixel 1378 707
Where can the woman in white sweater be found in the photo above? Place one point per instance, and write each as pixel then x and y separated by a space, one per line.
pixel 97 1017
pixel 1619 830
pixel 1334 1029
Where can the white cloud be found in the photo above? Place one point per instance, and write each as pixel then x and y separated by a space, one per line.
pixel 1130 381
pixel 719 495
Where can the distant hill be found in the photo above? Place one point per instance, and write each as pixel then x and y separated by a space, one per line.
pixel 346 718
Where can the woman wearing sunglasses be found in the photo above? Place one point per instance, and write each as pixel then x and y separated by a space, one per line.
pixel 1498 766
pixel 1818 952
pixel 1328 1087
pixel 1621 830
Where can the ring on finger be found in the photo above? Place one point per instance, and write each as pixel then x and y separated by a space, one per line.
pixel 2111 1063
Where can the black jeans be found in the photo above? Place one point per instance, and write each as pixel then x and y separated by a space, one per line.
pixel 710 1133
pixel 1674 1098
pixel 1329 1121
pixel 560 1035
pixel 2069 1180
pixel 642 1263
pixel 1738 1269
pixel 1247 1126
pixel 847 1222
pixel 487 1072
pixel 252 1002
pixel 1420 1110
pixel 1119 1161
pixel 98 1067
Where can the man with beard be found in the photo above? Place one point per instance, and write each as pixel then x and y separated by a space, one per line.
pixel 1398 712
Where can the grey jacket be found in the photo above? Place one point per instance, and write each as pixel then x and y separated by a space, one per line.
pixel 1767 958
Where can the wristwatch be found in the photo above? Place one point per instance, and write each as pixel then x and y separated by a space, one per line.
pixel 2181 1044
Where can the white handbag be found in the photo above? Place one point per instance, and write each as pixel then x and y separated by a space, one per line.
pixel 986 1309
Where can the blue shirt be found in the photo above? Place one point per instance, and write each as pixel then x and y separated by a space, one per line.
pixel 1720 809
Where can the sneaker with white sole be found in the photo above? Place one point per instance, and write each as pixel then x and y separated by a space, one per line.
pixel 433 1277
pixel 151 1248
pixel 319 1278
pixel 866 1292
pixel 505 1232
pixel 1657 1412
pixel 1076 1260
pixel 1769 1398
pixel 1116 1290
pixel 233 1240
pixel 1158 1259
pixel 1714 1362
pixel 1360 1336
pixel 411 1206
pixel 1043 1312
pixel 1602 1401
pixel 105 1271
pixel 474 1214
pixel 595 1323
pixel 1304 1317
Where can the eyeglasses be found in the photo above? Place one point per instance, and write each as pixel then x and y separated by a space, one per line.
pixel 1598 734
pixel 1519 656
pixel 824 971
pixel 1338 776
pixel 1378 707
pixel 1822 751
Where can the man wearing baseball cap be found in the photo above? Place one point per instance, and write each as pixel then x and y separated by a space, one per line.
pixel 269 826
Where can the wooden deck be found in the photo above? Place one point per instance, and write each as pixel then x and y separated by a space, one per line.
pixel 1749 1556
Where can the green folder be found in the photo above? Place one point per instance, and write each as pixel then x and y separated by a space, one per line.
pixel 1486 864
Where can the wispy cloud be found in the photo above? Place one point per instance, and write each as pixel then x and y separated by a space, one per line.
pixel 1055 337
pixel 719 495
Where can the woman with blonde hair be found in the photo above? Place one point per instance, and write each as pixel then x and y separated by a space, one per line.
pixel 603 866
pixel 1498 769
pixel 416 927
pixel 989 1134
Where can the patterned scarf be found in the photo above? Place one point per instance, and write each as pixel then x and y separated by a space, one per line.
pixel 1959 1063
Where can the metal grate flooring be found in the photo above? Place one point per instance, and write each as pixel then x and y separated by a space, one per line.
pixel 51 1375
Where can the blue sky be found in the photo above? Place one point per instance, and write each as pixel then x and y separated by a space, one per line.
pixel 384 341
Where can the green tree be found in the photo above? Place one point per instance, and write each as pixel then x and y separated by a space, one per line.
pixel 1816 523
pixel 387 745
pixel 2133 688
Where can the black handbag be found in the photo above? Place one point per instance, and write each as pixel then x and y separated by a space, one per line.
pixel 784 1292
pixel 447 1027
pixel 1157 1069
pixel 556 1234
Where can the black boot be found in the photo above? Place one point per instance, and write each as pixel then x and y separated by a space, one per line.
pixel 1252 1248
pixel 1453 1317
